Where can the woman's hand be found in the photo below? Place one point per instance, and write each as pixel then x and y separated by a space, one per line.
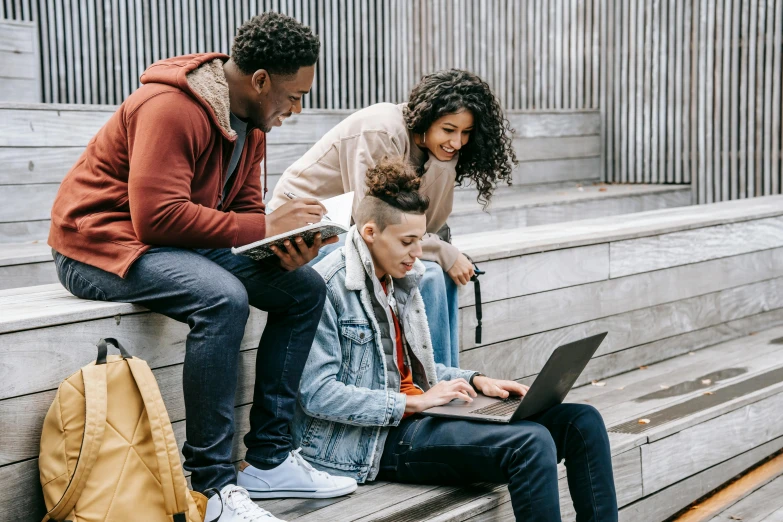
pixel 442 393
pixel 498 388
pixel 462 270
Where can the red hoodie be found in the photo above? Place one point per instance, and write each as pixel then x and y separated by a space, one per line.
pixel 153 175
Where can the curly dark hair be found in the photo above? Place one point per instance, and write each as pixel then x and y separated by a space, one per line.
pixel 274 42
pixel 488 157
pixel 392 189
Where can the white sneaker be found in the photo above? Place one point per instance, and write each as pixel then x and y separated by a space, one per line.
pixel 294 478
pixel 234 505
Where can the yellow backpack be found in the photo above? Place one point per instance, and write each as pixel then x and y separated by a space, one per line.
pixel 108 452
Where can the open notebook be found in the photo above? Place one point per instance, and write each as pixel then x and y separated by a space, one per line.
pixel 336 221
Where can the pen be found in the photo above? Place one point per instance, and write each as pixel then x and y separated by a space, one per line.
pixel 291 195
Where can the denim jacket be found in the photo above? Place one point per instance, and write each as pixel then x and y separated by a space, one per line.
pixel 346 405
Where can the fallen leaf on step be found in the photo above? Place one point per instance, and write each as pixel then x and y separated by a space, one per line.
pixel 598 383
pixel 735 517
pixel 708 393
pixel 691 353
pixel 664 387
pixel 753 333
pixel 644 421
pixel 602 189
pixel 642 367
pixel 706 382
pixel 621 388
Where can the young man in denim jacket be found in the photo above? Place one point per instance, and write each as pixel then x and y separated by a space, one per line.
pixel 371 370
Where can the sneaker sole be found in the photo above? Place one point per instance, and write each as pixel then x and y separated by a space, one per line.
pixel 256 494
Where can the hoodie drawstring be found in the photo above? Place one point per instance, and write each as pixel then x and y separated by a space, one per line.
pixel 266 183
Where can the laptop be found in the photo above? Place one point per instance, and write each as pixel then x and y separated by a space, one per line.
pixel 549 389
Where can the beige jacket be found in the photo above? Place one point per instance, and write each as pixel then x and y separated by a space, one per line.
pixel 338 164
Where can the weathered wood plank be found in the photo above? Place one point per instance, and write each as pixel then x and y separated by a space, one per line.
pixel 291 508
pixel 594 300
pixel 24 231
pixel 27 165
pixel 554 124
pixel 27 202
pixel 16 276
pixel 524 356
pixel 20 493
pixel 539 273
pixel 656 252
pixel 672 499
pixel 757 506
pixel 557 148
pixel 621 205
pixel 553 171
pixel 22 128
pixel 695 449
pixel 540 208
pixel 644 381
pixel 685 382
pixel 611 364
pixel 17 37
pixel 36 164
pixel 41 360
pixel 18 65
pixel 13 254
pixel 20 89
pixel 494 245
pixel 23 416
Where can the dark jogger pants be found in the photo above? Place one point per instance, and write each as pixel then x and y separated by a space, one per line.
pixel 523 454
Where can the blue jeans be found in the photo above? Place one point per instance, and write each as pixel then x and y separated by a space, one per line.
pixel 523 454
pixel 211 290
pixel 441 304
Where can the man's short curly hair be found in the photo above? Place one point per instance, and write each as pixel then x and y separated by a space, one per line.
pixel 276 43
pixel 488 157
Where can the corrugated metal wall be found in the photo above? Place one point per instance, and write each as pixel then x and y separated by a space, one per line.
pixel 690 91
pixel 694 95
pixel 534 54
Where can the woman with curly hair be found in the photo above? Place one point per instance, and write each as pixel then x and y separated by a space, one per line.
pixel 453 131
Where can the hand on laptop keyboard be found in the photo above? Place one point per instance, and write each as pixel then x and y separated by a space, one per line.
pixel 499 388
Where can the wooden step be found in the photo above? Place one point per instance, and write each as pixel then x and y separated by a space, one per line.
pixel 39 143
pixel 519 209
pixel 28 264
pixel 763 505
pixel 690 289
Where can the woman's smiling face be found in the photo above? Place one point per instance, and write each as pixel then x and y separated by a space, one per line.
pixel 448 134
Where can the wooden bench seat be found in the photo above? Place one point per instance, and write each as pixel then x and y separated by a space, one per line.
pixel 520 208
pixel 663 283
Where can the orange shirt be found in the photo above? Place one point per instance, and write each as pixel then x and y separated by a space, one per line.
pixel 406 375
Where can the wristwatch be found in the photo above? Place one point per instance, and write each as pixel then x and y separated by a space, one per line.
pixel 477 374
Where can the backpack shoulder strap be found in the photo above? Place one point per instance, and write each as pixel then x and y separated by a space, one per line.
pixel 94 377
pixel 175 487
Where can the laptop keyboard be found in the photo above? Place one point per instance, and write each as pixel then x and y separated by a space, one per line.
pixel 500 409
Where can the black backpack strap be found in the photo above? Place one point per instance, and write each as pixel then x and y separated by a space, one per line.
pixel 477 293
pixel 103 349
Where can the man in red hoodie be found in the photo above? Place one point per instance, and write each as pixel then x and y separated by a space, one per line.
pixel 148 215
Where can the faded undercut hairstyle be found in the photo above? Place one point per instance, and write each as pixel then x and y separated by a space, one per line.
pixel 392 189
